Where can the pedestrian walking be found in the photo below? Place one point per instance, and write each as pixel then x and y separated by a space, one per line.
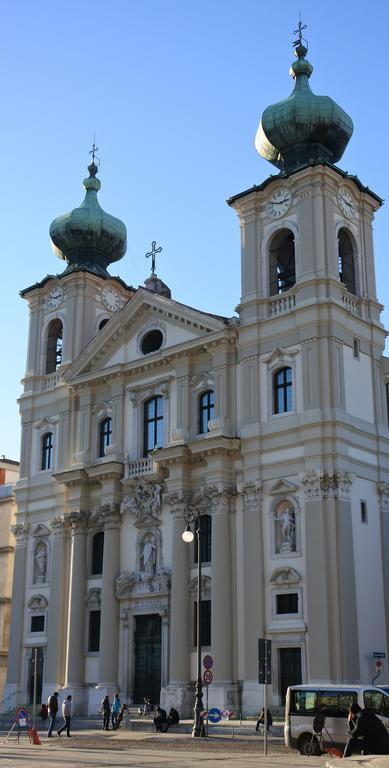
pixel 105 711
pixel 367 733
pixel 67 716
pixel 115 709
pixel 52 706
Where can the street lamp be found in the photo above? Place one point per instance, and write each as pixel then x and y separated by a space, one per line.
pixel 192 518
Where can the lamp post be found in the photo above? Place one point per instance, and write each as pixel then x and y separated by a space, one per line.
pixel 192 518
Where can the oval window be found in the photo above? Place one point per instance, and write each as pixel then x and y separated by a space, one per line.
pixel 151 342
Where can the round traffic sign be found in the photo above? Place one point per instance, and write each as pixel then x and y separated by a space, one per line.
pixel 207 677
pixel 21 717
pixel 208 661
pixel 214 715
pixel 378 663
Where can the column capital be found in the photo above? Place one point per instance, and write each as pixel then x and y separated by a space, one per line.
pixel 219 495
pixel 77 520
pixel 383 492
pixel 58 525
pixel 20 531
pixel 250 493
pixel 110 514
pixel 177 501
pixel 326 483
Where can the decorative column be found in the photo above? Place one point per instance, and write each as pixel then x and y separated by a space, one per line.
pixel 55 656
pixel 179 671
pixel 117 420
pixel 165 649
pixel 109 626
pixel 250 577
pixel 75 654
pixel 15 648
pixel 222 581
pixel 331 604
pixel 383 491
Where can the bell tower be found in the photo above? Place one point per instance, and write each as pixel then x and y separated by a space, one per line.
pixel 312 402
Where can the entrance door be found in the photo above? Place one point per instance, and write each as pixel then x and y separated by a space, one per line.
pixel 147 681
pixel 39 675
pixel 289 669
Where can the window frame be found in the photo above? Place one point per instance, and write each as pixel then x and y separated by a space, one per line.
pixel 206 408
pixel 93 612
pixel 37 616
pixel 96 556
pixel 54 345
pixel 47 452
pixel 346 266
pixel 206 620
pixel 281 281
pixel 205 541
pixel 287 387
pixel 105 435
pixel 157 420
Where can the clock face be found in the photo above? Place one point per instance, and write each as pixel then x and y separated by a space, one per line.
pixel 279 203
pixel 55 297
pixel 346 202
pixel 110 298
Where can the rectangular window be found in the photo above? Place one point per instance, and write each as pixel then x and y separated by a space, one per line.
pixel 37 623
pixel 94 631
pixel 363 512
pixel 287 602
pixel 205 540
pixel 356 348
pixel 205 623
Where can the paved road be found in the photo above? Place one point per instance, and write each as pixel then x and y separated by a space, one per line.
pixel 91 750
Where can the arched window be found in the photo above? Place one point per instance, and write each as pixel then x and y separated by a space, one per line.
pixel 103 323
pixel 206 410
pixel 205 540
pixel 47 451
pixel 105 435
pixel 152 424
pixel 97 553
pixel 282 267
pixel 346 264
pixel 283 390
pixel 54 346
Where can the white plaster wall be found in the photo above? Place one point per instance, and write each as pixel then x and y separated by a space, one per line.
pixel 91 669
pixel 358 385
pixel 368 576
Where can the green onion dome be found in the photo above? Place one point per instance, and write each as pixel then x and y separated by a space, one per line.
pixel 303 128
pixel 89 238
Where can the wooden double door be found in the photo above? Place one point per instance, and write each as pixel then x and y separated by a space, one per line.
pixel 147 677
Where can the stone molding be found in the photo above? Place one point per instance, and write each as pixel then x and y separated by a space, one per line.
pixel 93 598
pixel 130 585
pixel 323 483
pixel 144 503
pixel 285 576
pixel 37 603
pixel 109 515
pixel 383 492
pixel 20 531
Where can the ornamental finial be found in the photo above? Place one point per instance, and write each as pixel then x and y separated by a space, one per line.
pixel 299 31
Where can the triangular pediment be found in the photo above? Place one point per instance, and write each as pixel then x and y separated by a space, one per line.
pixel 119 342
pixel 283 487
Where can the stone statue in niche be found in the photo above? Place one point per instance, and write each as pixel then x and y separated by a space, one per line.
pixel 285 530
pixel 40 563
pixel 148 555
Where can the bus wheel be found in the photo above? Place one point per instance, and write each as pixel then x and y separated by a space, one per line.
pixel 308 746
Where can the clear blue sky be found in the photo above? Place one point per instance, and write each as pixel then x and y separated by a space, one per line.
pixel 174 91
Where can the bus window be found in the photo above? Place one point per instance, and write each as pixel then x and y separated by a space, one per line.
pixel 336 703
pixel 302 702
pixel 377 702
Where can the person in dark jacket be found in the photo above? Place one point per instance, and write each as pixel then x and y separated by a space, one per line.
pixel 367 733
pixel 106 712
pixel 52 706
pixel 161 719
pixel 261 719
pixel 173 719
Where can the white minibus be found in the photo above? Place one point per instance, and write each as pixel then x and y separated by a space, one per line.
pixel 304 701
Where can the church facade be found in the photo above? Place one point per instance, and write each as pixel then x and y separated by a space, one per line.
pixel 273 423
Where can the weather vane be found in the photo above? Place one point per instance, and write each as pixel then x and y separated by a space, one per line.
pixel 299 32
pixel 153 253
pixel 94 150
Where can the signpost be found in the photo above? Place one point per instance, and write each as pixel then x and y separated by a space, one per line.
pixel 264 677
pixel 207 677
pixel 379 664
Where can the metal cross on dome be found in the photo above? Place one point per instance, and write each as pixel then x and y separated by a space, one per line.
pixel 153 253
pixel 299 32
pixel 94 150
